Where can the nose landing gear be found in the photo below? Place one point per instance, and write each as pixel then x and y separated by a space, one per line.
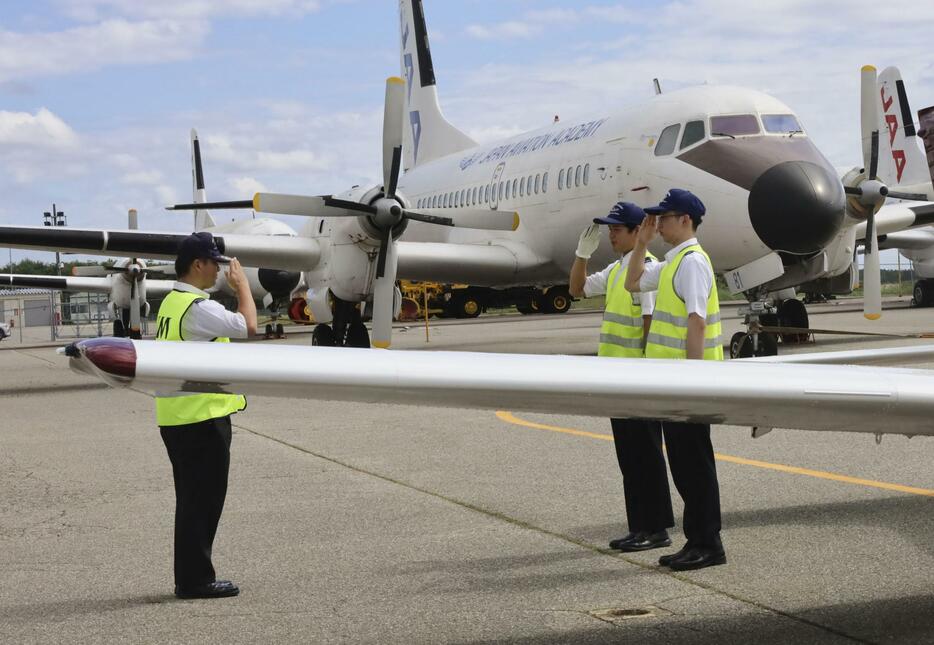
pixel 767 325
pixel 347 329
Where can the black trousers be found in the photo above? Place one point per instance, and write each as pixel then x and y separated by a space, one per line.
pixel 694 471
pixel 645 477
pixel 200 456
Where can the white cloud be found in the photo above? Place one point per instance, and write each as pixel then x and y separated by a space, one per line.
pixel 94 10
pixel 40 130
pixel 509 29
pixel 95 46
pixel 246 186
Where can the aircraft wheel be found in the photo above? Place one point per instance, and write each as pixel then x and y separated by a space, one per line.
pixel 767 346
pixel 269 332
pixel 793 313
pixel 923 293
pixel 323 336
pixel 556 301
pixel 280 330
pixel 119 329
pixel 357 335
pixel 735 342
pixel 531 304
pixel 465 306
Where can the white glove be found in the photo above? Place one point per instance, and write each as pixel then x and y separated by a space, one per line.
pixel 589 241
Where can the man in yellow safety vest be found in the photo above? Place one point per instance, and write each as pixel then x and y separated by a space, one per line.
pixel 622 334
pixel 196 427
pixel 685 325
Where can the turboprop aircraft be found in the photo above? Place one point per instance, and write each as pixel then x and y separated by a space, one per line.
pixel 911 171
pixel 258 242
pixel 777 217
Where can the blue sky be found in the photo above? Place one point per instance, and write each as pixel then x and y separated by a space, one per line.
pixel 97 96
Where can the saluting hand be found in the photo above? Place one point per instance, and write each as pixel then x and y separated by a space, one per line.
pixel 235 275
pixel 648 229
pixel 588 242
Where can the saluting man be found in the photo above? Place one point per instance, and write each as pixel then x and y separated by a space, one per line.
pixel 685 325
pixel 196 427
pixel 625 325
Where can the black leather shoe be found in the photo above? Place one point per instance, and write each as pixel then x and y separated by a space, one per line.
pixel 698 558
pixel 647 541
pixel 666 560
pixel 629 537
pixel 216 589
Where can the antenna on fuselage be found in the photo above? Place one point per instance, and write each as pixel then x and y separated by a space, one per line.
pixel 658 87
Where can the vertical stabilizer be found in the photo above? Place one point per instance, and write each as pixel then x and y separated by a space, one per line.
pixel 428 135
pixel 203 219
pixel 901 161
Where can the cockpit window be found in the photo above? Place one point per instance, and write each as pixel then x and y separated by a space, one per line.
pixel 734 125
pixel 693 132
pixel 781 123
pixel 667 140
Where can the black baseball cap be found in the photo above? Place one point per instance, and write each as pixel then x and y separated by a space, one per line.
pixel 200 246
pixel 679 201
pixel 622 213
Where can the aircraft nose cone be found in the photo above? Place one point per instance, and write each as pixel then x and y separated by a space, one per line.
pixel 796 206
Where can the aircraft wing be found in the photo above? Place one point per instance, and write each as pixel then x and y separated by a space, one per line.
pixel 908 240
pixel 499 263
pixel 899 217
pixel 265 251
pixel 764 395
pixel 154 288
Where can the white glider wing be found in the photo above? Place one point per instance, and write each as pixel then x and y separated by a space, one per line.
pixel 765 395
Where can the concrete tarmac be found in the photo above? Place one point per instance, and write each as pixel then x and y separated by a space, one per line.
pixel 399 524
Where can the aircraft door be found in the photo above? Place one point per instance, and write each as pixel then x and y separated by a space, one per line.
pixel 494 186
pixel 629 178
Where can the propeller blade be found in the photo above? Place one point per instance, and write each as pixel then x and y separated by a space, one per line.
pixel 133 220
pixel 869 112
pixel 384 288
pixel 873 154
pixel 134 306
pixel 478 218
pixel 323 206
pixel 429 219
pixel 917 197
pixel 383 251
pixel 393 111
pixel 95 271
pixel 243 203
pixel 852 190
pixel 872 277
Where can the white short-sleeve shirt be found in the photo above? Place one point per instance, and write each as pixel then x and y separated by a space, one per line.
pixel 596 285
pixel 206 320
pixel 692 282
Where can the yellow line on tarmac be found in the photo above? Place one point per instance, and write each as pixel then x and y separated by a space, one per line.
pixel 508 417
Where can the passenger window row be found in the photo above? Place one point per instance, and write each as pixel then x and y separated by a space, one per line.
pixel 507 189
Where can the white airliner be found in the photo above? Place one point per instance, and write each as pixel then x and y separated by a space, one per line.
pixel 508 214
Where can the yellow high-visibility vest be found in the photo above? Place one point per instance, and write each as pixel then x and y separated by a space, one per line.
pixel 621 332
pixel 668 334
pixel 188 408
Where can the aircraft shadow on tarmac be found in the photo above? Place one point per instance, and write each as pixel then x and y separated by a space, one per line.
pixel 896 620
pixel 908 516
pixel 63 609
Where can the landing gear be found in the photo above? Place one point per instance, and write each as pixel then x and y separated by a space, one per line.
pixel 323 336
pixel 119 329
pixel 744 345
pixel 556 300
pixel 347 329
pixel 923 293
pixel 793 313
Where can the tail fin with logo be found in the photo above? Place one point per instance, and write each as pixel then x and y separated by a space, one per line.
pixel 203 219
pixel 428 135
pixel 901 162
